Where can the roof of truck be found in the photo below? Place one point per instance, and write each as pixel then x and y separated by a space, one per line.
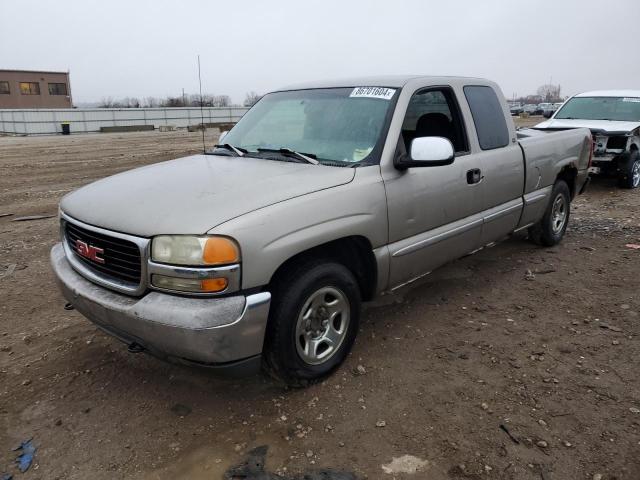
pixel 377 81
pixel 610 93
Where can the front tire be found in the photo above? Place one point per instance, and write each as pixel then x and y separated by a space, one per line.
pixel 313 322
pixel 630 171
pixel 551 228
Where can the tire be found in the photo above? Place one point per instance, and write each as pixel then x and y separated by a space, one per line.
pixel 630 171
pixel 551 228
pixel 313 322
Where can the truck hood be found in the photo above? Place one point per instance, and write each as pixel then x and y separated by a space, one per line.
pixel 193 194
pixel 607 126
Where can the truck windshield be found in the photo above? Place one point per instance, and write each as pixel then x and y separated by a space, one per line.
pixel 334 125
pixel 624 109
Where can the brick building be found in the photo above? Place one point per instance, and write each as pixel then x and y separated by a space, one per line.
pixel 33 89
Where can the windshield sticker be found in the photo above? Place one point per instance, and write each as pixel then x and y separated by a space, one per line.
pixel 373 92
pixel 631 99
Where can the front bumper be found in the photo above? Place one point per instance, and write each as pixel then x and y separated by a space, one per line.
pixel 216 332
pixel 604 159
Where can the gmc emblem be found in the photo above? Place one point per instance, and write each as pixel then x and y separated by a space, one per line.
pixel 89 251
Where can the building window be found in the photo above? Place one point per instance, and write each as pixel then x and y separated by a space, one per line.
pixel 29 88
pixel 57 89
pixel 4 88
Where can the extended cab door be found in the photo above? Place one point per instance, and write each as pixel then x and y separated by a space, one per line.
pixel 493 141
pixel 435 211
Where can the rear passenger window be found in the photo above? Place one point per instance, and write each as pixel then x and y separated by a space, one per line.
pixel 488 117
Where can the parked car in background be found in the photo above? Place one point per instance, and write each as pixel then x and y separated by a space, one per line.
pixel 547 109
pixel 531 109
pixel 516 108
pixel 613 116
pixel 323 195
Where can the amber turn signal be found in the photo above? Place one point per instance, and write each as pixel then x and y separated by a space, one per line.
pixel 213 284
pixel 220 251
pixel 193 285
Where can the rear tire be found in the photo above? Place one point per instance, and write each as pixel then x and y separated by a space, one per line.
pixel 313 322
pixel 550 229
pixel 630 171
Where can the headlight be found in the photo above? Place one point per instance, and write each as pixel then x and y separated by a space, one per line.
pixel 194 251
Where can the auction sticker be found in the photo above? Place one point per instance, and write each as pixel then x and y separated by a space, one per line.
pixel 373 92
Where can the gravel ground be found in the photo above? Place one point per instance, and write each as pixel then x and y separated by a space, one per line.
pixel 517 362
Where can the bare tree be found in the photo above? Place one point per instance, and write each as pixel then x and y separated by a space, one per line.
pixel 129 102
pixel 173 102
pixel 106 102
pixel 150 102
pixel 193 100
pixel 221 101
pixel 550 93
pixel 251 99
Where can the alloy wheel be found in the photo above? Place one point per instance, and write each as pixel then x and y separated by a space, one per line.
pixel 322 325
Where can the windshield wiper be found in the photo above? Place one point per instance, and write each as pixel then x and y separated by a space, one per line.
pixel 307 157
pixel 237 150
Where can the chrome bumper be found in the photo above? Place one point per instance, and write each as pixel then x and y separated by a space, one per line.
pixel 211 331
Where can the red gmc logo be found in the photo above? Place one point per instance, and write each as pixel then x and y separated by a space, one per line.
pixel 89 251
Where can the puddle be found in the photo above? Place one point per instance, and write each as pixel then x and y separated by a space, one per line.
pixel 212 462
pixel 254 468
pixel 206 463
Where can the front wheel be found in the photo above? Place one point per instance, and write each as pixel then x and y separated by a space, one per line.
pixel 313 322
pixel 550 229
pixel 630 171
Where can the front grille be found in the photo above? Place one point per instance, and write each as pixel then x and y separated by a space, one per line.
pixel 122 260
pixel 617 143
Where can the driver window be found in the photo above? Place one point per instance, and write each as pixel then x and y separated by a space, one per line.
pixel 434 113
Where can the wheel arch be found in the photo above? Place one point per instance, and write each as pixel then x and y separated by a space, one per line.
pixel 569 173
pixel 354 252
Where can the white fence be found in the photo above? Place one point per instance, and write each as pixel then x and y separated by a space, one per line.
pixel 82 120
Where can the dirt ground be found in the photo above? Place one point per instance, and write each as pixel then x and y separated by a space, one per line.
pixel 540 343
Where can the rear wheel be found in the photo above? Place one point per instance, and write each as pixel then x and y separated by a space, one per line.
pixel 313 322
pixel 630 171
pixel 550 229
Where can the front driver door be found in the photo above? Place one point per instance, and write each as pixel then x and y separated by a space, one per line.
pixel 434 212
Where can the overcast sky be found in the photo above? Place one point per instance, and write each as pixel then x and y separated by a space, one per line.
pixel 141 48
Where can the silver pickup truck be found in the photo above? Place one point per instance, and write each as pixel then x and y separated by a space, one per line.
pixel 260 251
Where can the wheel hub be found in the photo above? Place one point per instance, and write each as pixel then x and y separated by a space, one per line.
pixel 635 172
pixel 322 325
pixel 559 214
pixel 317 324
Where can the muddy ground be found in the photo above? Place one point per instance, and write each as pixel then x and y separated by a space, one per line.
pixel 541 343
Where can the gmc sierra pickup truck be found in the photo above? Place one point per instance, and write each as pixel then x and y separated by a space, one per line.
pixel 260 251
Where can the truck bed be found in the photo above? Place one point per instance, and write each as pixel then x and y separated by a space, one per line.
pixel 544 149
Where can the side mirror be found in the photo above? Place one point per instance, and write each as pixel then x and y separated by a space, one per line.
pixel 222 135
pixel 428 152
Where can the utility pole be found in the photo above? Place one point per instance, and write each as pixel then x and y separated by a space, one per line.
pixel 184 100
